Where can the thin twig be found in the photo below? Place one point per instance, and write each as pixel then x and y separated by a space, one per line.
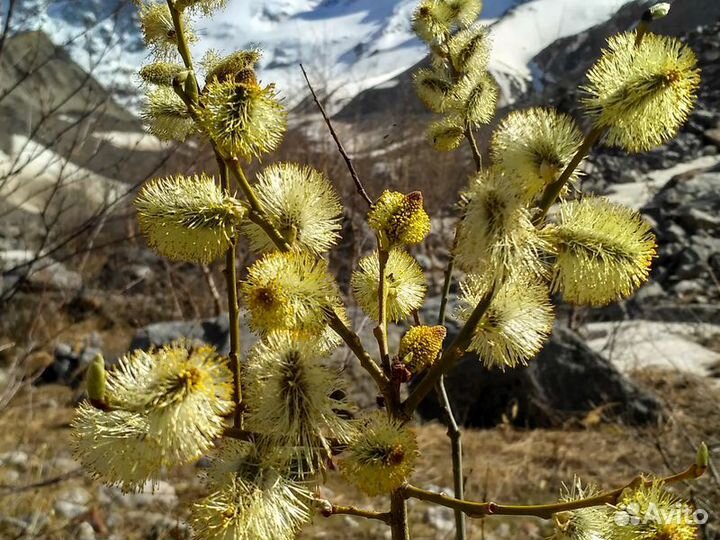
pixel 358 184
pixel 455 436
pixel 380 330
pixel 12 490
pixel 477 158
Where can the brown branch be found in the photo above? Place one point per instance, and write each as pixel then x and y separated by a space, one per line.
pixel 477 158
pixel 352 340
pixel 545 511
pixel 12 490
pixel 358 184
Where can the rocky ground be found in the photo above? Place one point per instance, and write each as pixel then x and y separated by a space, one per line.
pixel 45 495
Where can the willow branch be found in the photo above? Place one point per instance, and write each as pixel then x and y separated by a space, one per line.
pixel 545 511
pixel 455 436
pixel 353 173
pixel 182 44
pixel 477 158
pixel 380 330
pixel 231 280
pixel 352 340
pixel 451 355
pixel 256 214
pixel 329 509
pixel 399 516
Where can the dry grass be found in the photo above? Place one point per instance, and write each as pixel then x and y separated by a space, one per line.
pixel 502 464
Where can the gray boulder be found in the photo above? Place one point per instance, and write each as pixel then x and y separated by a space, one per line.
pixel 213 331
pixel 566 381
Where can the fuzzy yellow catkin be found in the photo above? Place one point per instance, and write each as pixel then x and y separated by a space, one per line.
pixel 469 50
pixel 650 512
pixel 590 523
pixel 116 448
pixel 517 322
pixel 181 390
pixel 158 29
pixel 160 73
pixel 463 12
pixel 497 234
pixel 420 347
pixel 447 134
pixel 475 97
pixel 381 457
pixel 431 20
pixel 642 93
pixel 165 115
pixel 303 206
pixel 404 282
pixel 244 119
pixel 188 218
pixel 604 251
pixel 206 7
pixel 228 67
pixel 289 291
pixel 536 144
pixel 399 219
pixel 254 494
pixel 293 398
pixel 433 87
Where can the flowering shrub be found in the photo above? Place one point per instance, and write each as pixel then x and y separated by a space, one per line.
pixel 278 419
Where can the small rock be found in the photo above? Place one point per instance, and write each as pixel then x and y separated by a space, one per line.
pixel 63 350
pixel 69 510
pixel 627 176
pixel 85 531
pixel 161 493
pixel 649 292
pixel 15 458
pixel 688 288
pixel 72 502
pixel 55 276
pixel 63 465
pixel 713 136
pixel 440 518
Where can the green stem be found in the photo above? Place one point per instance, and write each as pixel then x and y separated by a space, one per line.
pixel 336 509
pixel 477 158
pixel 182 44
pixel 455 436
pixel 545 511
pixel 381 329
pixel 256 214
pixel 233 309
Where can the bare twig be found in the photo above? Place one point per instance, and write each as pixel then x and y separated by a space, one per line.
pixel 6 490
pixel 358 184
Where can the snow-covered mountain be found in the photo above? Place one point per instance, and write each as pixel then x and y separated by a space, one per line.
pixel 346 45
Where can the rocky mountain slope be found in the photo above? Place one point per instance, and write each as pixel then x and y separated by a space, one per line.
pixel 350 45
